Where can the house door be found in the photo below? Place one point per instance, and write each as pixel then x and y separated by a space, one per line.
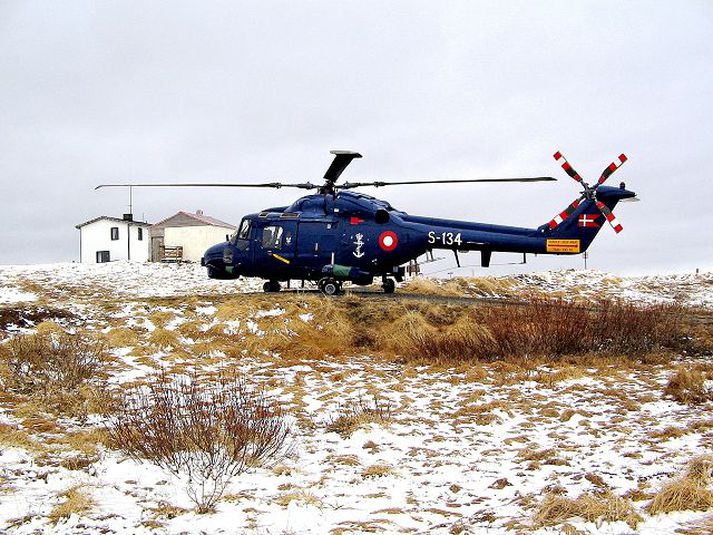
pixel 156 245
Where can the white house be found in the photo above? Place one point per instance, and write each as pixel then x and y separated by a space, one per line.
pixel 106 239
pixel 193 232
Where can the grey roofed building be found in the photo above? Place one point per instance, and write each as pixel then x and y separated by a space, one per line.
pixel 193 233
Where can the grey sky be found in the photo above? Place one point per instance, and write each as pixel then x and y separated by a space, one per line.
pixel 165 91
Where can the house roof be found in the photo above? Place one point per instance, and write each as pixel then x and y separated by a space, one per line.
pixel 198 218
pixel 110 218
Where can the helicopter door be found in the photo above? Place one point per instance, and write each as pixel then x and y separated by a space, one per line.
pixel 276 244
pixel 317 243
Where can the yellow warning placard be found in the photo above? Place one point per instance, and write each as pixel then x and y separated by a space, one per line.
pixel 562 246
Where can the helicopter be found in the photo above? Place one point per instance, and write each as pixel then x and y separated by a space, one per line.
pixel 337 234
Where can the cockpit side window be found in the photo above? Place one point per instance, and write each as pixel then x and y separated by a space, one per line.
pixel 244 230
pixel 240 238
pixel 272 237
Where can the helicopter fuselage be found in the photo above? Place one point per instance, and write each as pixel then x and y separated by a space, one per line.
pixel 356 237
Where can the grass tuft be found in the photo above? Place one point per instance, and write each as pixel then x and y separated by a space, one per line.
pixel 688 492
pixel 606 506
pixel 76 501
pixel 688 385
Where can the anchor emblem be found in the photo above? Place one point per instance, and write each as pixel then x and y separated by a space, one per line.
pixel 359 242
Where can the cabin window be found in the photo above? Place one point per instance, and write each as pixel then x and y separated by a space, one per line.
pixel 272 237
pixel 141 234
pixel 102 257
pixel 244 231
pixel 114 233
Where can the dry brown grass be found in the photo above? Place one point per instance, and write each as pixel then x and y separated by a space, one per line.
pixel 436 333
pixel 606 506
pixel 122 337
pixel 377 470
pixel 60 371
pixel 701 527
pixel 543 327
pixel 439 287
pixel 687 385
pixel 688 492
pixel 14 437
pixel 164 339
pixel 359 414
pixel 301 496
pixel 75 501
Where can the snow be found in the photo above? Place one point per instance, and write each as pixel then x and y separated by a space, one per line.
pixel 456 452
pixel 9 294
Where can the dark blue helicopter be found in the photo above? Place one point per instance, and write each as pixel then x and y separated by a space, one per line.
pixel 337 235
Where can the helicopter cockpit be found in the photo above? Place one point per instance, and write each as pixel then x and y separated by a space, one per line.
pixel 240 238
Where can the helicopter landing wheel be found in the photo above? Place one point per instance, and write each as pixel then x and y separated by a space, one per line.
pixel 329 286
pixel 271 286
pixel 389 286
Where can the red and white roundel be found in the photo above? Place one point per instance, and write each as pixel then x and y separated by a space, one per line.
pixel 388 240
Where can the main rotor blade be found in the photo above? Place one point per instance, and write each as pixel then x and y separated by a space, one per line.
pixel 380 183
pixel 342 158
pixel 275 185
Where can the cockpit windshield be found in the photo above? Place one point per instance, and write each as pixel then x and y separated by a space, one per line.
pixel 243 232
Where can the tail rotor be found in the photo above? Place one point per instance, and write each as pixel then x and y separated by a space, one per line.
pixel 589 192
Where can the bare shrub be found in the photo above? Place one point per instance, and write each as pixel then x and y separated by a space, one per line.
pixel 688 492
pixel 549 328
pixel 59 369
pixel 688 385
pixel 557 327
pixel 208 431
pixel 359 413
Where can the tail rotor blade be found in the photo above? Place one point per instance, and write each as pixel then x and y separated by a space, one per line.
pixel 609 170
pixel 562 216
pixel 567 167
pixel 613 221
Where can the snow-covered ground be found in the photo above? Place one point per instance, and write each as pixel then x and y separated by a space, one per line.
pixel 469 450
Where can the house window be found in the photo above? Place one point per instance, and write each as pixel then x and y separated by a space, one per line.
pixel 141 234
pixel 114 233
pixel 102 256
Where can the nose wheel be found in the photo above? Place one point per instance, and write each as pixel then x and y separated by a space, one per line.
pixel 271 287
pixel 389 285
pixel 329 286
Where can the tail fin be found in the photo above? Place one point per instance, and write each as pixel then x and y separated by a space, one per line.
pixel 583 220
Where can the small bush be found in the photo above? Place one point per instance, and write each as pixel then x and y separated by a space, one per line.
pixel 59 369
pixel 208 431
pixel 688 492
pixel 547 328
pixel 688 385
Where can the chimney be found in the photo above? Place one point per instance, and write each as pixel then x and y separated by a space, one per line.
pixel 199 212
pixel 128 217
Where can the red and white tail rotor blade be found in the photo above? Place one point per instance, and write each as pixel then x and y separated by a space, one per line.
pixel 613 221
pixel 567 167
pixel 609 170
pixel 564 215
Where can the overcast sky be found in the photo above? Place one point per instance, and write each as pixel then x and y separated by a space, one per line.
pixel 94 92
